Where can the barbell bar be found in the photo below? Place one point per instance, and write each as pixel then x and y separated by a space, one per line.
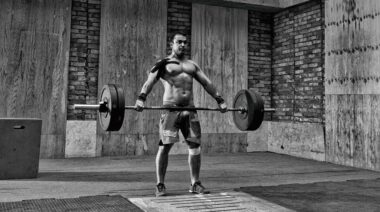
pixel 98 106
pixel 248 110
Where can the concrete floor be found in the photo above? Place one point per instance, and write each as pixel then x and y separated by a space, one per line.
pixel 134 177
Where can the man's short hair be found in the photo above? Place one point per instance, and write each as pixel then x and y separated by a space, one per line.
pixel 175 34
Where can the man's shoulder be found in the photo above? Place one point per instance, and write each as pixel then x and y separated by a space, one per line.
pixel 192 62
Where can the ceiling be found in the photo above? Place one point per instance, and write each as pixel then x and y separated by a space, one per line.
pixel 259 5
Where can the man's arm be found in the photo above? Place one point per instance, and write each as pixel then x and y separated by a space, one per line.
pixel 146 89
pixel 201 77
pixel 149 83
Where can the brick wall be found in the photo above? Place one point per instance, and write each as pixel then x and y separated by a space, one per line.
pixel 179 21
pixel 298 60
pixel 260 54
pixel 84 58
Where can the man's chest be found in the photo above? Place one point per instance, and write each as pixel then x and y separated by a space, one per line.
pixel 183 68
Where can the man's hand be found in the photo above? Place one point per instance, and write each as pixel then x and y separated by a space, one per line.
pixel 139 106
pixel 222 104
pixel 223 107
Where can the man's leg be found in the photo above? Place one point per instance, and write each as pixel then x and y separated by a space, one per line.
pixel 195 167
pixel 162 159
pixel 194 161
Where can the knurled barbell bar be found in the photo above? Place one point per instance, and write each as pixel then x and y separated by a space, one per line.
pixel 248 108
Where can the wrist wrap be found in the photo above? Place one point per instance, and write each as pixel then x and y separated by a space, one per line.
pixel 142 97
pixel 219 100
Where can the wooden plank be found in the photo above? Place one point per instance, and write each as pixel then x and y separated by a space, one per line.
pixel 219 46
pixel 361 129
pixel 52 146
pixel 130 144
pixel 338 132
pixel 373 145
pixel 114 146
pixel 330 125
pixel 35 65
pixel 132 39
pixel 345 120
pixel 5 33
pixel 350 72
pixel 224 142
pixel 352 82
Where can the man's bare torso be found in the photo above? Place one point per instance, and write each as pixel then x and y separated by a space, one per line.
pixel 178 83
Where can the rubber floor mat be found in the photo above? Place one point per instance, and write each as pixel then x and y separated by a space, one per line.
pixel 347 196
pixel 90 203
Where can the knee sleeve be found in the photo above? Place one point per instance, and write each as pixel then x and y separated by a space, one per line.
pixel 195 151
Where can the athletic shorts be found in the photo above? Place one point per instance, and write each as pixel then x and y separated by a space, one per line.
pixel 172 121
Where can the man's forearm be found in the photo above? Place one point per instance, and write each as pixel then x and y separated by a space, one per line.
pixel 147 87
pixel 210 88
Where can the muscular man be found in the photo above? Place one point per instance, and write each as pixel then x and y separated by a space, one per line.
pixel 176 72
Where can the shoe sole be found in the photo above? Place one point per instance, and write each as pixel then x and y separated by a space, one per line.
pixel 160 195
pixel 194 192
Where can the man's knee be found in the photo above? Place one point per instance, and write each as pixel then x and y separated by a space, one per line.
pixel 195 151
pixel 193 145
pixel 165 148
pixel 194 148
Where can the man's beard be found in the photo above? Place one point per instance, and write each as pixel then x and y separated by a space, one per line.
pixel 180 54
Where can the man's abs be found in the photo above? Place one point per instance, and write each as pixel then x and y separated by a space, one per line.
pixel 181 95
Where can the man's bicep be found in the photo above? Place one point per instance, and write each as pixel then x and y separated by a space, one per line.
pixel 201 77
pixel 149 83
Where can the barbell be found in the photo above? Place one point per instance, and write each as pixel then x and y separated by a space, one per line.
pixel 248 108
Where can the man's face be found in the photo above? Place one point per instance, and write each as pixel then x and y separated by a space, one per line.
pixel 179 45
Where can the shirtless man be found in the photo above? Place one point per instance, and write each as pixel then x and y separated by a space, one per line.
pixel 176 72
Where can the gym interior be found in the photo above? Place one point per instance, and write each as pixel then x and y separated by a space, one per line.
pixel 311 62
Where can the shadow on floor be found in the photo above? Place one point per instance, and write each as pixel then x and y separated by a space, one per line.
pixel 96 176
pixel 352 195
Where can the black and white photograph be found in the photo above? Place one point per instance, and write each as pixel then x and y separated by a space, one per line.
pixel 190 105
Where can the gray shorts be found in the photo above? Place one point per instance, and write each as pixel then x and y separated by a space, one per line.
pixel 172 121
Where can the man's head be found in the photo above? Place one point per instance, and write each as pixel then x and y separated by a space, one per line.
pixel 178 45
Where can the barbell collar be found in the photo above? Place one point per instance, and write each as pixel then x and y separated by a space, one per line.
pixel 270 110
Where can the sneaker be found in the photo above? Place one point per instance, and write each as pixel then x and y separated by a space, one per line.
pixel 198 188
pixel 160 190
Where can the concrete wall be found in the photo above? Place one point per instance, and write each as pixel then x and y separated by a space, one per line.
pixel 352 83
pixel 34 57
pixel 305 140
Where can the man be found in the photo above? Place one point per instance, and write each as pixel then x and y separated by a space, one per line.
pixel 176 72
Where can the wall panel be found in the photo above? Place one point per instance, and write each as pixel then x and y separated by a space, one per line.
pixel 132 39
pixel 220 47
pixel 33 66
pixel 352 83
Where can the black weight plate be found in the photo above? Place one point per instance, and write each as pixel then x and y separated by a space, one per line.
pixel 253 103
pixel 258 107
pixel 121 108
pixel 240 119
pixel 109 120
